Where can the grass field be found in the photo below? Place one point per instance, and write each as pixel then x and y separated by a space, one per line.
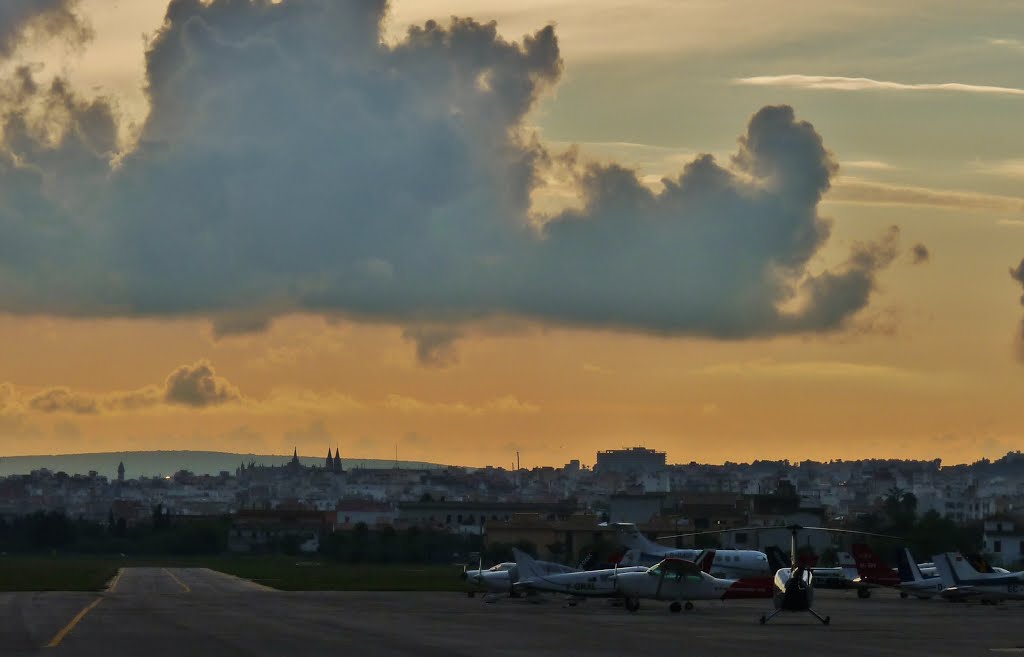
pixel 74 573
pixel 55 573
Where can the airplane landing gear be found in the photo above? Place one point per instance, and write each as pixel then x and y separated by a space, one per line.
pixel 688 606
pixel 863 593
pixel 471 594
pixel 824 621
pixel 675 607
pixel 632 605
pixel 903 595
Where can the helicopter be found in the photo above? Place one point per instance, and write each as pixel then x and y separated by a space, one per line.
pixel 793 586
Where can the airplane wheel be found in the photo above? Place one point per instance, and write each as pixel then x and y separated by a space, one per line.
pixel 675 607
pixel 828 619
pixel 632 605
pixel 863 593
pixel 471 594
pixel 688 606
pixel 764 620
pixel 903 594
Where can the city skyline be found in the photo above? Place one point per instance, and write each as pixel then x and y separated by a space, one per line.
pixel 274 225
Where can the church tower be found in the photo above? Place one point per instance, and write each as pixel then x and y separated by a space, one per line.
pixel 330 460
pixel 120 472
pixel 337 459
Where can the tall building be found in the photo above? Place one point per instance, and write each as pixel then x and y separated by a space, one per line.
pixel 632 460
pixel 120 472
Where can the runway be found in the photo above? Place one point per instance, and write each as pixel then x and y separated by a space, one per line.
pixel 155 612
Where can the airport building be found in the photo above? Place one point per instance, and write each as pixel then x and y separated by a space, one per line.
pixel 635 460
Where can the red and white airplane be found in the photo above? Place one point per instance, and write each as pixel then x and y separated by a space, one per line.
pixel 681 582
pixel 734 564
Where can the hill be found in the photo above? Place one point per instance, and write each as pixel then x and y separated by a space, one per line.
pixel 162 463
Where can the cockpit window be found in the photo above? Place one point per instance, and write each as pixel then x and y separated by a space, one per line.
pixel 676 569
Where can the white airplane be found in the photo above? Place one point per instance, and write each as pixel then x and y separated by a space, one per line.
pixel 681 582
pixel 727 563
pixel 581 584
pixel 913 582
pixel 962 581
pixel 499 579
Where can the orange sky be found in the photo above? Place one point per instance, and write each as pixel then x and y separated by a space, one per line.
pixel 927 369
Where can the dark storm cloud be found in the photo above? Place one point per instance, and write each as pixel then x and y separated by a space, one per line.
pixel 291 161
pixel 919 254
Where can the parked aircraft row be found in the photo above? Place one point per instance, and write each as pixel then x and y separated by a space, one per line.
pixel 682 577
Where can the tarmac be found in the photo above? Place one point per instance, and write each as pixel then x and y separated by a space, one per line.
pixel 194 612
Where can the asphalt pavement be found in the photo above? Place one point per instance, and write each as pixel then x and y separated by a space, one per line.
pixel 157 612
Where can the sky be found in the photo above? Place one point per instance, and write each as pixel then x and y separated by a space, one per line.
pixel 457 231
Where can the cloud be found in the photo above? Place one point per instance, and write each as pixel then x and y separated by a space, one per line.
pixel 919 254
pixel 507 404
pixel 838 83
pixel 37 20
pixel 1017 274
pixel 1015 44
pixel 435 345
pixel 854 190
pixel 293 162
pixel 63 400
pixel 195 385
pixel 1013 168
pixel 769 368
pixel 874 165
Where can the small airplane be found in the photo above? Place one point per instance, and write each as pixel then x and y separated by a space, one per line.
pixel 579 585
pixel 913 581
pixel 727 563
pixel 681 582
pixel 962 581
pixel 500 578
pixel 869 571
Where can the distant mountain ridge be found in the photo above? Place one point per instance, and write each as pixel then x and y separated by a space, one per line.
pixel 163 463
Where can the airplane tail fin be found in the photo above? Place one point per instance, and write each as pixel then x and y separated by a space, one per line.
pixel 867 561
pixel 944 567
pixel 705 560
pixel 777 559
pixel 909 570
pixel 631 538
pixel 962 567
pixel 525 565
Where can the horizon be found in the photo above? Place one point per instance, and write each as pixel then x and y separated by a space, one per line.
pixel 583 463
pixel 735 231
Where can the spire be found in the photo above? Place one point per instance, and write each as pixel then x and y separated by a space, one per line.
pixel 337 460
pixel 120 471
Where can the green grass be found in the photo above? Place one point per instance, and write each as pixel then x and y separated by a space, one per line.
pixel 80 573
pixel 291 574
pixel 55 573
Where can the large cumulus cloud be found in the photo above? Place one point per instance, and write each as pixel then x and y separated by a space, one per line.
pixel 293 161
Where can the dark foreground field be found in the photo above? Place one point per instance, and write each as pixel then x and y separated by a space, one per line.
pixel 70 573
